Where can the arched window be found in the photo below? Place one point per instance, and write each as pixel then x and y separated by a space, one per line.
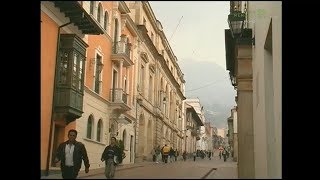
pixel 89 127
pixel 99 15
pixel 92 3
pixel 106 20
pixel 99 130
pixel 116 30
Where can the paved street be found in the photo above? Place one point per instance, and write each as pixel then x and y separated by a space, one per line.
pixel 200 169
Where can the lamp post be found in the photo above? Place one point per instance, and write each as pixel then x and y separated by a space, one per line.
pixel 236 22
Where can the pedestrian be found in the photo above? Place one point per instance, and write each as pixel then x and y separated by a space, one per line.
pixel 176 154
pixel 171 154
pixel 165 152
pixel 209 155
pixel 184 155
pixel 71 153
pixel 194 156
pixel 111 156
pixel 158 153
pixel 153 154
pixel 224 154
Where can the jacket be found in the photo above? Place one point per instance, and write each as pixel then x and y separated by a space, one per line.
pixel 79 154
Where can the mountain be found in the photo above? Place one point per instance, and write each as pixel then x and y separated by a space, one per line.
pixel 211 84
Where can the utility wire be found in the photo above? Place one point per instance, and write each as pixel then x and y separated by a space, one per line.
pixel 205 85
pixel 176 28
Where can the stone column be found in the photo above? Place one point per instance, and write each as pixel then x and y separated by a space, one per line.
pixel 246 165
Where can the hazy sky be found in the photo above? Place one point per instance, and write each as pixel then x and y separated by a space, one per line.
pixel 194 29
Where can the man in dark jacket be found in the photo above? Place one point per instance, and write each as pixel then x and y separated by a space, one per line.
pixel 111 154
pixel 71 153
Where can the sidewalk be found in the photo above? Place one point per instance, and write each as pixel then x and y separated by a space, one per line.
pixel 93 172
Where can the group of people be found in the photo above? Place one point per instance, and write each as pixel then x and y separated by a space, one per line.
pixel 166 154
pixel 223 151
pixel 71 153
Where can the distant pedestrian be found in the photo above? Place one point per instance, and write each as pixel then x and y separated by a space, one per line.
pixel 153 154
pixel 111 156
pixel 158 154
pixel 184 155
pixel 209 155
pixel 165 152
pixel 194 156
pixel 171 155
pixel 176 154
pixel 224 154
pixel 71 153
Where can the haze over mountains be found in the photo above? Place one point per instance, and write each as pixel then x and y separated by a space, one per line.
pixel 211 84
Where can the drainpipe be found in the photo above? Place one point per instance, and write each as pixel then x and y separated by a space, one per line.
pixel 53 99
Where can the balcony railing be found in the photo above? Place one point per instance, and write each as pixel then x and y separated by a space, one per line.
pixel 121 52
pixel 121 48
pixel 119 96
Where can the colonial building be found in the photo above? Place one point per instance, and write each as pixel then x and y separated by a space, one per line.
pixel 64 45
pixel 109 81
pixel 108 70
pixel 232 134
pixel 253 55
pixel 196 127
pixel 209 136
pixel 159 87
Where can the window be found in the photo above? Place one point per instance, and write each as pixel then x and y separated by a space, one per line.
pixel 99 130
pixel 99 15
pixel 97 78
pixel 92 3
pixel 141 78
pixel 89 127
pixel 106 20
pixel 63 68
pixel 150 88
pixel 71 64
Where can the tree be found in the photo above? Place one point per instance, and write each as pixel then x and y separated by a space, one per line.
pixel 120 144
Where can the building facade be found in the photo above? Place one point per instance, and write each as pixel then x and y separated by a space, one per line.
pixel 254 60
pixel 65 27
pixel 114 75
pixel 159 85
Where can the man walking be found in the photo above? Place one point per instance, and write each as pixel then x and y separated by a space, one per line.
pixel 110 155
pixel 71 153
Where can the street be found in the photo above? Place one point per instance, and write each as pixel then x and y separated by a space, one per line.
pixel 200 169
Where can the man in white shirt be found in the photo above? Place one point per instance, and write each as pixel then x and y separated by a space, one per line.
pixel 71 153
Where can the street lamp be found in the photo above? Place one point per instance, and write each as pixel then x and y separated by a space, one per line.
pixel 236 20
